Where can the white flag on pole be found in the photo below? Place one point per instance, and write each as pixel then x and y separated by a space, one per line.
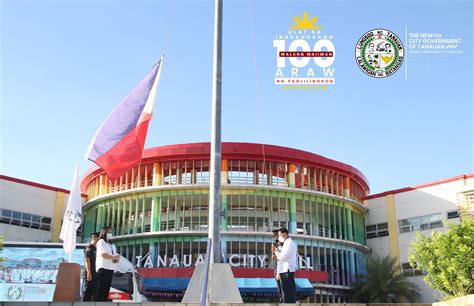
pixel 72 216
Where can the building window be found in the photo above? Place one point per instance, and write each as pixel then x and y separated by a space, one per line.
pixel 5 216
pixel 453 214
pixel 408 270
pixel 377 230
pixel 25 219
pixel 420 223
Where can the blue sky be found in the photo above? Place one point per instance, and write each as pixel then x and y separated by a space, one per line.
pixel 66 65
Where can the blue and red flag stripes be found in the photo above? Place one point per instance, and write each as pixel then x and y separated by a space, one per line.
pixel 118 144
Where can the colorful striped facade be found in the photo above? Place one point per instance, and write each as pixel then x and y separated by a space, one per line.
pixel 159 210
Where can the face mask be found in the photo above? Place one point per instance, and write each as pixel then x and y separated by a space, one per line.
pixel 109 236
pixel 281 239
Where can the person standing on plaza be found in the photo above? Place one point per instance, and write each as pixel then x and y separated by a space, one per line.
pixel 90 274
pixel 106 260
pixel 286 265
pixel 278 246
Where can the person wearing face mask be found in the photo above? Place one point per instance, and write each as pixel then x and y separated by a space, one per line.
pixel 286 265
pixel 90 274
pixel 274 264
pixel 106 261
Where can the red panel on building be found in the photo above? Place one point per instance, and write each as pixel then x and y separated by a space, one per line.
pixel 312 276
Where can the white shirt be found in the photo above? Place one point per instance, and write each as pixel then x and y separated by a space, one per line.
pixel 105 248
pixel 54 275
pixel 27 274
pixel 287 257
pixel 46 275
pixel 16 275
pixel 36 276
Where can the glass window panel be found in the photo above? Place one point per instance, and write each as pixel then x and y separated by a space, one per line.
pixel 16 215
pixel 6 213
pixel 405 229
pixel 26 217
pixel 403 222
pixel 424 226
pixel 453 214
pixel 436 224
pixel 425 219
pixel 46 220
pixel 371 235
pixel 434 218
pixel 371 228
pixel 382 226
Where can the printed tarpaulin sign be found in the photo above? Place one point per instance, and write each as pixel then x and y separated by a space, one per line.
pixel 29 274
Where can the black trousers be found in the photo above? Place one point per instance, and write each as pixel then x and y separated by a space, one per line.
pixel 288 287
pixel 90 288
pixel 104 280
pixel 280 291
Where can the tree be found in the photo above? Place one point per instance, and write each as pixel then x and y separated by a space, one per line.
pixel 383 283
pixel 447 258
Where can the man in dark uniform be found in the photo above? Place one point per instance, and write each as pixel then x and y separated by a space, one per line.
pixel 90 275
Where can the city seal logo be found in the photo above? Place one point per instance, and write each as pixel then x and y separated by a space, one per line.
pixel 14 293
pixel 379 53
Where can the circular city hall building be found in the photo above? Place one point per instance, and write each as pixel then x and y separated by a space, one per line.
pixel 159 215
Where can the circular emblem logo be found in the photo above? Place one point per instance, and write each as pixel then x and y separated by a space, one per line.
pixel 379 53
pixel 14 293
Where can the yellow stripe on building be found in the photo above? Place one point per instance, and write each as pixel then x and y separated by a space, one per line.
pixel 57 217
pixel 392 227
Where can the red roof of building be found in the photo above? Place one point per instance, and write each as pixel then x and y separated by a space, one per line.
pixel 405 189
pixel 241 150
pixel 34 184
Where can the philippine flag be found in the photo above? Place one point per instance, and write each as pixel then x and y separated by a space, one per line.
pixel 118 143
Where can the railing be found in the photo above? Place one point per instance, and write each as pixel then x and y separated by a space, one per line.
pixel 205 279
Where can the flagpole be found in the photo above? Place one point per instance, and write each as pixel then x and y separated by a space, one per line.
pixel 215 171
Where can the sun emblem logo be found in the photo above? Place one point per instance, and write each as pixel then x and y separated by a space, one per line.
pixel 305 23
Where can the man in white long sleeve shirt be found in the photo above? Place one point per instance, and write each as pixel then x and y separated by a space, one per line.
pixel 286 265
pixel 17 274
pixel 27 274
pixel 36 274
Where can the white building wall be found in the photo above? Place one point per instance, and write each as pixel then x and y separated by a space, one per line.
pixel 425 201
pixel 23 234
pixel 29 199
pixel 377 211
pixel 380 246
pixel 26 198
pixel 428 295
pixel 439 198
pixel 378 214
